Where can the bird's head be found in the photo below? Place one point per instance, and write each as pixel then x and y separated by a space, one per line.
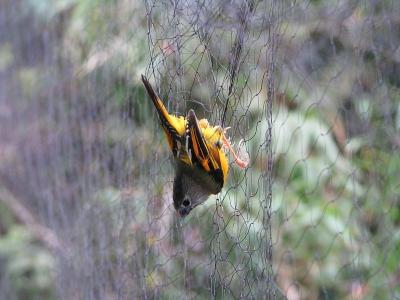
pixel 187 194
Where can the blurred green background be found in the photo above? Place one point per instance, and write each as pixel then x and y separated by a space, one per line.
pixel 85 174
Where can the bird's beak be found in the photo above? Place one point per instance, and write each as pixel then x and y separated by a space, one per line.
pixel 183 212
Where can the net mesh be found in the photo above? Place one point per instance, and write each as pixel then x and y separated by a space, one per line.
pixel 312 89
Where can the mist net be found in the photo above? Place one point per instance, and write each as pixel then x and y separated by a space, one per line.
pixel 310 91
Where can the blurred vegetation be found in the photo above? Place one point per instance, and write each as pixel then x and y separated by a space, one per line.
pixel 81 150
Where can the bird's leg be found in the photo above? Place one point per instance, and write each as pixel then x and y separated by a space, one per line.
pixel 241 162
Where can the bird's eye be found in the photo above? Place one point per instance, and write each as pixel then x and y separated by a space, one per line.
pixel 186 202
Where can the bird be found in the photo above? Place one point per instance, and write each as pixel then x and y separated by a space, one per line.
pixel 200 155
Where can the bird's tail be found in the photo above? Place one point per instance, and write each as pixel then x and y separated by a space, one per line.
pixel 161 110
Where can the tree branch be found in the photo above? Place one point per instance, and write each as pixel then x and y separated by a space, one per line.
pixel 23 215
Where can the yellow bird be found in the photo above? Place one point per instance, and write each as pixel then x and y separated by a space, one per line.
pixel 199 151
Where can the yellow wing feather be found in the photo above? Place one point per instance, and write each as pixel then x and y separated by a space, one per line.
pixel 207 145
pixel 213 138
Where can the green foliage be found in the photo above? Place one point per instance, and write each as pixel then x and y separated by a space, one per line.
pixel 97 162
pixel 6 56
pixel 27 265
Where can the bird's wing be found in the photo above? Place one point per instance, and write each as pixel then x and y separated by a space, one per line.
pixel 204 152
